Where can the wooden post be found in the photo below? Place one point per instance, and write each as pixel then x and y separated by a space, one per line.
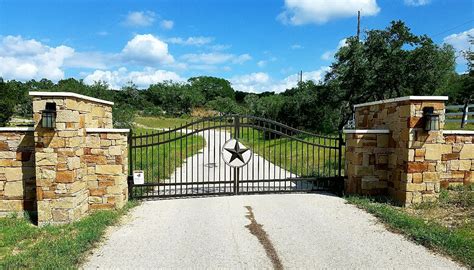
pixel 465 113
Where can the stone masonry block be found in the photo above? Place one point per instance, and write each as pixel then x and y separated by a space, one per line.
pixel 65 176
pixel 435 151
pixel 414 167
pixel 430 176
pixel 73 163
pixel 467 152
pixel 14 189
pixel 109 169
pixel 46 159
pixel 13 174
pixel 67 116
pixel 465 165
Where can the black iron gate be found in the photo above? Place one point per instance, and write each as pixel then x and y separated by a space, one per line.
pixel 233 154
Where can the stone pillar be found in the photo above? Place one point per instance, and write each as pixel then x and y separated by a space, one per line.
pixel 61 183
pixel 425 150
pixel 415 154
pixel 60 188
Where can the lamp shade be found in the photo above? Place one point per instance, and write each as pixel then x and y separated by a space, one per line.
pixel 48 116
pixel 431 119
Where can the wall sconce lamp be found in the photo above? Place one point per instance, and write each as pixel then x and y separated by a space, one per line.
pixel 431 119
pixel 48 116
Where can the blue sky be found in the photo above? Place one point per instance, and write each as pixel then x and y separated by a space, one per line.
pixel 257 45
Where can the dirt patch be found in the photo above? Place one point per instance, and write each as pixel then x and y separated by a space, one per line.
pixel 262 236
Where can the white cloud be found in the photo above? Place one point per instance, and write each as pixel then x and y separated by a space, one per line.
pixel 220 47
pixel 120 77
pixel 215 58
pixel 24 59
pixel 261 82
pixel 240 59
pixel 196 41
pixel 460 43
pixel 417 3
pixel 296 47
pixel 263 63
pixel 252 78
pixel 94 60
pixel 140 18
pixel 167 24
pixel 147 49
pixel 329 55
pixel 298 12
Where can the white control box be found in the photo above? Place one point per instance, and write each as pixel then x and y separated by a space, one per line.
pixel 138 178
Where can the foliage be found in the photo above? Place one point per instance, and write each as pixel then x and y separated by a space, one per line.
pixel 25 246
pixel 388 63
pixel 212 87
pixel 7 103
pixel 224 105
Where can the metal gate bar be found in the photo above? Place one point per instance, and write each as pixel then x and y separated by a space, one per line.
pixel 283 159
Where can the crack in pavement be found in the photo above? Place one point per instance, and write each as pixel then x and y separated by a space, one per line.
pixel 262 236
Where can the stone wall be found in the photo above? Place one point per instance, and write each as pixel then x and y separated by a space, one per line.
pixel 17 171
pixel 106 159
pixel 79 165
pixel 419 161
pixel 367 162
pixel 457 163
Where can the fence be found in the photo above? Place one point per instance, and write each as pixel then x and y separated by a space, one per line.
pixel 459 114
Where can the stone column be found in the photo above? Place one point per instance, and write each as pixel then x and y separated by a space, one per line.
pixel 414 164
pixel 61 190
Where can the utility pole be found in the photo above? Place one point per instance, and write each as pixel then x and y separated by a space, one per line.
pixel 358 25
pixel 301 76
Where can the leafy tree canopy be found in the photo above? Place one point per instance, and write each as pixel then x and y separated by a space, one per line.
pixel 388 63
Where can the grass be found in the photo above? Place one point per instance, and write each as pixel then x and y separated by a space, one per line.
pixel 169 122
pixel 298 157
pixel 457 126
pixel 446 226
pixel 23 245
pixel 160 161
pixel 162 122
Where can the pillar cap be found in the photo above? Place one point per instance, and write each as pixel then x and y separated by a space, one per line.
pixel 366 131
pixel 69 94
pixel 422 98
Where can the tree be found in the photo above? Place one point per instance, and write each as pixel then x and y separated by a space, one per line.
pixel 388 63
pixel 7 103
pixel 212 87
pixel 224 105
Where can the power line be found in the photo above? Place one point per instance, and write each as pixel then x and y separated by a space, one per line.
pixel 455 27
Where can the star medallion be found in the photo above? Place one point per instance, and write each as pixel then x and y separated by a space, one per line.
pixel 236 152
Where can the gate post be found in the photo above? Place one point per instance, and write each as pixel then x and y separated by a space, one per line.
pixel 130 165
pixel 340 183
pixel 236 137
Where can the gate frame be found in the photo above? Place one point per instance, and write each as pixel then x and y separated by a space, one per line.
pixel 338 180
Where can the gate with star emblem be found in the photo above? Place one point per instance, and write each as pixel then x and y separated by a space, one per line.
pixel 233 154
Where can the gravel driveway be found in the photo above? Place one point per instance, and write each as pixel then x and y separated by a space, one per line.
pixel 310 231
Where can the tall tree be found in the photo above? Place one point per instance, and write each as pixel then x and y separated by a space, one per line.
pixel 388 63
pixel 212 87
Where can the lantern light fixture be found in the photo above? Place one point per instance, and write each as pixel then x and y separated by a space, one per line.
pixel 431 119
pixel 48 116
